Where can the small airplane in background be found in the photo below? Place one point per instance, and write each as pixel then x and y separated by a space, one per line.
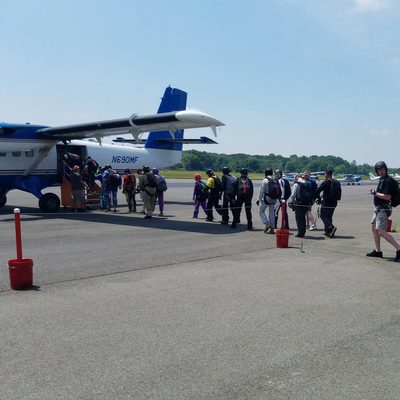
pixel 350 179
pixel 373 177
pixel 290 176
pixel 31 155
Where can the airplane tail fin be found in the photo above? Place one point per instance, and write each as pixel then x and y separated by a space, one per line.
pixel 371 176
pixel 172 100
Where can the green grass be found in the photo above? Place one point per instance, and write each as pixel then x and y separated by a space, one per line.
pixel 183 174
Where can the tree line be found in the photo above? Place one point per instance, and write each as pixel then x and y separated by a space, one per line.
pixel 194 160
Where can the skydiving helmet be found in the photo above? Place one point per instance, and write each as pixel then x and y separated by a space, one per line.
pixel 380 164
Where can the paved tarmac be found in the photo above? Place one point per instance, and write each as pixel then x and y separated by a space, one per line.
pixel 176 308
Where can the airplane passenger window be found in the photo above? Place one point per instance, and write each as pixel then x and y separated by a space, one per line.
pixel 16 153
pixel 3 154
pixel 29 153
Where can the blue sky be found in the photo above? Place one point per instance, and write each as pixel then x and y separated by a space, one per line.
pixel 286 76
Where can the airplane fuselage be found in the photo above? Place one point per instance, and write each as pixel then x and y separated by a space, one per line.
pixel 13 163
pixel 32 156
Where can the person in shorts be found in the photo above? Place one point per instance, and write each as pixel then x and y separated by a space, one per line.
pixel 382 196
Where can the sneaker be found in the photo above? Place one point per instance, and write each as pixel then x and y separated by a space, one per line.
pixel 397 258
pixel 375 253
pixel 271 231
pixel 209 220
pixel 333 231
pixel 161 214
pixel 313 227
pixel 299 236
pixel 148 216
pixel 267 228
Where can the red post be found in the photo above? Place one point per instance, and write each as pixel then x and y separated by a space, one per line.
pixel 283 206
pixel 17 214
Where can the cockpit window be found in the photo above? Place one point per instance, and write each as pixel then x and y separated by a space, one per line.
pixel 3 154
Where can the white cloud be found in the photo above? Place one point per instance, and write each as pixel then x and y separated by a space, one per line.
pixel 372 5
pixel 396 61
pixel 379 132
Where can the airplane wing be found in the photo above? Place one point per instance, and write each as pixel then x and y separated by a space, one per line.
pixel 170 121
pixel 201 140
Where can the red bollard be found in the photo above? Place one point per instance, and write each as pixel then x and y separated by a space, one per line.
pixel 282 235
pixel 20 269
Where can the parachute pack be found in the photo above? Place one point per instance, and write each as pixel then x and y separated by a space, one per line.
pixel 273 190
pixel 335 191
pixel 202 191
pixel 151 180
pixel 161 184
pixel 395 200
pixel 243 186
pixel 217 185
pixel 304 194
pixel 115 179
pixel 230 187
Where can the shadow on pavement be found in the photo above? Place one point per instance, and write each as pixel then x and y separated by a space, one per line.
pixel 125 219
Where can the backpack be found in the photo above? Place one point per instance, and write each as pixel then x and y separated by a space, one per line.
pixel 230 186
pixel 395 200
pixel 161 184
pixel 203 192
pixel 151 181
pixel 304 195
pixel 273 190
pixel 335 191
pixel 115 179
pixel 244 187
pixel 129 183
pixel 92 166
pixel 217 185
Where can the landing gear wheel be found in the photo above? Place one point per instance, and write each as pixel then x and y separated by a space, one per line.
pixel 3 201
pixel 49 203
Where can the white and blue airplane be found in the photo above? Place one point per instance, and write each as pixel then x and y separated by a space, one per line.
pixel 349 179
pixel 31 155
pixel 290 176
pixel 373 177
